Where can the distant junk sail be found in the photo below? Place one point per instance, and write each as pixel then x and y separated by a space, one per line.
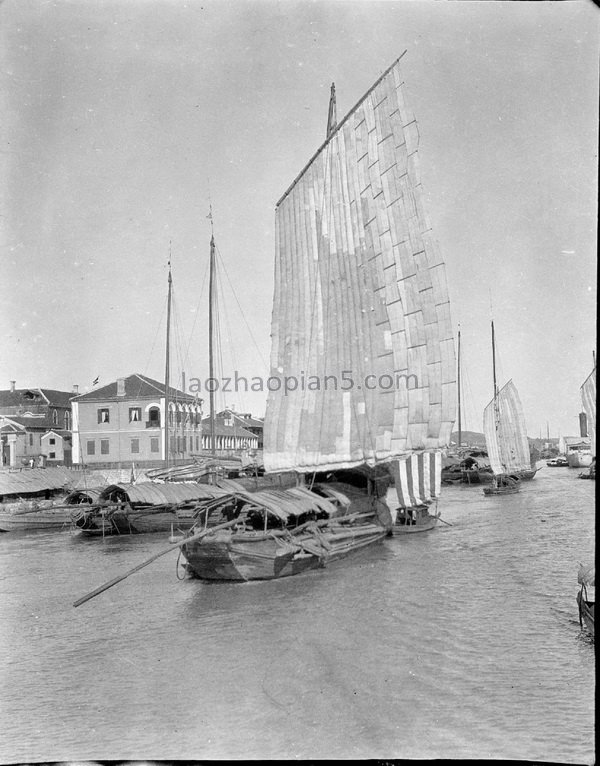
pixel 361 308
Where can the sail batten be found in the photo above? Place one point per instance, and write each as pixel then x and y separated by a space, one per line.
pixel 361 312
pixel 505 432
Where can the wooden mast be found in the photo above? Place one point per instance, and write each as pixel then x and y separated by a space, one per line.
pixel 211 297
pixel 332 116
pixel 458 381
pixel 167 365
pixel 494 361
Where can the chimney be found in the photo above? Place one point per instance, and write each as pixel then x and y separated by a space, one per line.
pixel 120 386
pixel 75 388
pixel 12 386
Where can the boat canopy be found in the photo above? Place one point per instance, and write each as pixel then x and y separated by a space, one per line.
pixel 149 493
pixel 79 496
pixel 283 503
pixel 29 480
pixel 362 339
pixel 505 432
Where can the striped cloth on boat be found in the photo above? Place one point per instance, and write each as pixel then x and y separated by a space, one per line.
pixel 418 478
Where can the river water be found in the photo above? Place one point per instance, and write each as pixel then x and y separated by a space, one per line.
pixel 462 642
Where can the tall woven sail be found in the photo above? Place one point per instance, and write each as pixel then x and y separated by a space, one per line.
pixel 418 478
pixel 588 398
pixel 505 432
pixel 361 323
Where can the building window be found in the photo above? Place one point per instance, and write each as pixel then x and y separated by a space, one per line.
pixel 54 418
pixel 52 455
pixel 197 443
pixel 135 445
pixel 191 443
pixel 31 440
pixel 67 421
pixel 51 441
pixel 154 444
pixel 104 446
pixel 135 414
pixel 103 415
pixel 91 448
pixel 153 417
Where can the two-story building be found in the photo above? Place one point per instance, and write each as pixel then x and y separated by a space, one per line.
pixel 231 434
pixel 244 420
pixel 123 423
pixel 27 416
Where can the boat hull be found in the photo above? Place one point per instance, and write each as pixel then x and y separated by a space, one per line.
pixel 527 474
pixel 266 556
pixel 14 522
pixel 579 459
pixel 586 612
pixel 501 490
pixel 411 521
pixel 100 524
pixel 423 525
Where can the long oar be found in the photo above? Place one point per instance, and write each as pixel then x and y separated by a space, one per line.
pixel 445 522
pixel 171 547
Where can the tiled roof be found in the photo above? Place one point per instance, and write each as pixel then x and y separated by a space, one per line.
pixel 136 387
pixel 24 397
pixel 248 422
pixel 38 424
pixel 223 430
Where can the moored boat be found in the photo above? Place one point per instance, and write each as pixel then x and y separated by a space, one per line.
pixel 586 577
pixel 417 483
pixel 557 462
pixel 281 533
pixel 34 514
pixel 503 484
pixel 360 298
pixel 139 508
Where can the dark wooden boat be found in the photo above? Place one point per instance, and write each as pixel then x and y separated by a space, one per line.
pixel 586 577
pixel 123 509
pixel 280 533
pixel 503 484
pixel 411 520
pixel 558 462
pixel 34 515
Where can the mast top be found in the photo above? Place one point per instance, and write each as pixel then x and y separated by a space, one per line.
pixel 331 117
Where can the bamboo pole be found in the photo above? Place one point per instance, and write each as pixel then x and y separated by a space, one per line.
pixel 171 547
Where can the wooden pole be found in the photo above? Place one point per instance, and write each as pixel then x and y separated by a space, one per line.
pixel 167 366
pixel 171 547
pixel 459 413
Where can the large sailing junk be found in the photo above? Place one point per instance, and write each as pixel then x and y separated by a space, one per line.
pixel 360 293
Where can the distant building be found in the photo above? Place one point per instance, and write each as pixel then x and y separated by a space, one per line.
pixel 247 422
pixel 123 423
pixel 568 444
pixel 234 432
pixel 26 416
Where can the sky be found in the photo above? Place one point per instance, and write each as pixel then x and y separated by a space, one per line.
pixel 125 122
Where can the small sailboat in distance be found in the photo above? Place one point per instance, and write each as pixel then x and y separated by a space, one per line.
pixel 506 437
